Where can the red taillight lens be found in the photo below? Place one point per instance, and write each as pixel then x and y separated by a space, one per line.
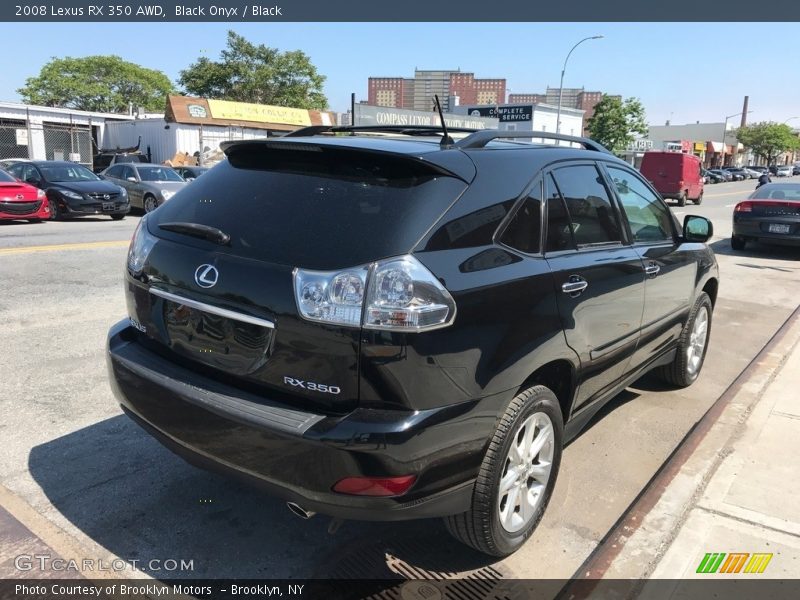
pixel 744 207
pixel 375 486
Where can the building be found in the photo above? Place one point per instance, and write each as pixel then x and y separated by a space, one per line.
pixel 452 86
pixel 704 140
pixel 576 98
pixel 48 133
pixel 527 117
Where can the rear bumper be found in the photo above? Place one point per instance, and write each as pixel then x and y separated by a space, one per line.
pixel 755 229
pixel 299 455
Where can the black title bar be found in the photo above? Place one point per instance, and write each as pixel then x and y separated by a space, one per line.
pixel 237 11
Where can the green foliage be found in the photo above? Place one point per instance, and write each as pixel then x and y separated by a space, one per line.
pixel 768 140
pixel 256 73
pixel 615 123
pixel 97 83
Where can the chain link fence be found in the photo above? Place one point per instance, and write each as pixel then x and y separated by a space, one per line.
pixel 50 141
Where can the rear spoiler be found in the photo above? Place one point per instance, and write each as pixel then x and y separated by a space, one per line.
pixel 448 164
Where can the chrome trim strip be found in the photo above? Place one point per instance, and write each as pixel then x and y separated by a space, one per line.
pixel 214 310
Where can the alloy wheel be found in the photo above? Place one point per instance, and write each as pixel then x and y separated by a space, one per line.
pixel 697 341
pixel 526 472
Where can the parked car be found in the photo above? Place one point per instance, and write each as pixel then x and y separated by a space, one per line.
pixel 191 173
pixel 713 177
pixel 771 214
pixel 102 161
pixel 401 327
pixel 73 190
pixel 726 175
pixel 7 162
pixel 785 171
pixel 737 173
pixel 148 185
pixel 773 169
pixel 751 173
pixel 674 175
pixel 796 170
pixel 757 168
pixel 20 200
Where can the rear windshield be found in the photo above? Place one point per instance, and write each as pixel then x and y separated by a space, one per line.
pixel 778 192
pixel 321 208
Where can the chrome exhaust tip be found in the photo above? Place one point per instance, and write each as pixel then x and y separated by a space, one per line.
pixel 300 511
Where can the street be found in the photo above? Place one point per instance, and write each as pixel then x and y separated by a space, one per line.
pixel 70 454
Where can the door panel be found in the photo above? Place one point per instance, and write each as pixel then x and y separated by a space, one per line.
pixel 602 322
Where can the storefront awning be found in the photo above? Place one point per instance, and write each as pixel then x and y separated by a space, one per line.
pixel 714 147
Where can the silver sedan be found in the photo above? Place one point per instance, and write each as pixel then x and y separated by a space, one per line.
pixel 148 185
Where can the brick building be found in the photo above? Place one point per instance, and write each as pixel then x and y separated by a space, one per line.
pixel 417 93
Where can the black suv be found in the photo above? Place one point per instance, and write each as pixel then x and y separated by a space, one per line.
pixel 384 325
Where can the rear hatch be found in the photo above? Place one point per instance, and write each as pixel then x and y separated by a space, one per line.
pixel 228 309
pixel 664 170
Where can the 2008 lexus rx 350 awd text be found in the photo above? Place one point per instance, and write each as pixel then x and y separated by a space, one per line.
pixel 388 324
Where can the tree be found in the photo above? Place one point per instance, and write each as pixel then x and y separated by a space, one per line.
pixel 768 140
pixel 98 83
pixel 256 73
pixel 615 123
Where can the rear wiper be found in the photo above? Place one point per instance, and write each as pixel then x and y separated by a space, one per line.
pixel 205 232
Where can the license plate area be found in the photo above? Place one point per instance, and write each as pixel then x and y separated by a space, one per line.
pixel 108 206
pixel 778 228
pixel 218 341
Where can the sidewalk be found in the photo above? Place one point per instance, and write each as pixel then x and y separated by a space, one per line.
pixel 732 487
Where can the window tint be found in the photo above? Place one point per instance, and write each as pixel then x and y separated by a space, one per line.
pixel 648 217
pixel 588 204
pixel 127 172
pixel 559 232
pixel 115 172
pixel 524 230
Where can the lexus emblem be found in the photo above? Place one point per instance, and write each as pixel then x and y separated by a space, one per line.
pixel 20 197
pixel 206 276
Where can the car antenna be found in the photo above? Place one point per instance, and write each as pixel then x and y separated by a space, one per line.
pixel 446 140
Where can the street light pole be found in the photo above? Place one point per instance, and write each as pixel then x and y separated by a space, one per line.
pixel 724 133
pixel 561 85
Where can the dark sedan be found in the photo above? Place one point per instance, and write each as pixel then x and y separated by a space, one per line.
pixel 73 190
pixel 771 215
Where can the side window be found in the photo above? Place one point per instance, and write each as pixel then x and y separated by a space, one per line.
pixel 648 217
pixel 127 172
pixel 591 213
pixel 559 231
pixel 16 171
pixel 115 172
pixel 524 231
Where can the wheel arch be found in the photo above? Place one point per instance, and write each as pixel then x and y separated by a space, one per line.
pixel 560 377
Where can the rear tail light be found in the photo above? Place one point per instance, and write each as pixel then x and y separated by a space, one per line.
pixel 744 207
pixel 141 245
pixel 394 294
pixel 375 486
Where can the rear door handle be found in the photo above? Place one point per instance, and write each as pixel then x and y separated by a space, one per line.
pixel 574 286
pixel 652 269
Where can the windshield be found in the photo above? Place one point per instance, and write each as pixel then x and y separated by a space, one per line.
pixel 67 173
pixel 6 178
pixel 158 174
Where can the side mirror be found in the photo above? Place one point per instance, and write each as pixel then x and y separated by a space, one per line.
pixel 32 181
pixel 131 179
pixel 697 229
pixel 188 179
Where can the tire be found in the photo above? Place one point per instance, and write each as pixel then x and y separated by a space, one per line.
pixel 682 199
pixel 684 370
pixel 55 211
pixel 150 203
pixel 118 217
pixel 699 199
pixel 34 220
pixel 738 242
pixel 491 525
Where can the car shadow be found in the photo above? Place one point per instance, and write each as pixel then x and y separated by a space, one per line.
pixel 127 493
pixel 757 250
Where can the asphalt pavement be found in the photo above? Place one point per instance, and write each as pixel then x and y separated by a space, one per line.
pixel 94 478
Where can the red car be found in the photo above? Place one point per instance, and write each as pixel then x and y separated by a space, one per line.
pixel 19 200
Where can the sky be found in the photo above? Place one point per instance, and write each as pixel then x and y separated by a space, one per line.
pixel 681 72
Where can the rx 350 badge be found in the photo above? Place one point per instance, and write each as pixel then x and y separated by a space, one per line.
pixel 311 386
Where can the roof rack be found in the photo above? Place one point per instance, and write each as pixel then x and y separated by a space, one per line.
pixel 403 129
pixel 479 139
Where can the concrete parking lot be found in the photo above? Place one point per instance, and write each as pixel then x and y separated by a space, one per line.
pixel 70 455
